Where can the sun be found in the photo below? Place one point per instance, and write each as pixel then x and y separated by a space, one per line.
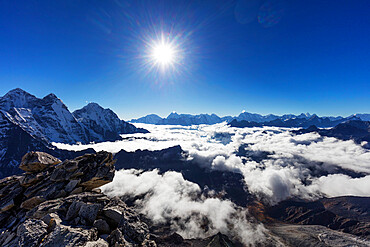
pixel 164 54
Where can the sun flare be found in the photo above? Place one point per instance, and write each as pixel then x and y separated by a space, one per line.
pixel 163 54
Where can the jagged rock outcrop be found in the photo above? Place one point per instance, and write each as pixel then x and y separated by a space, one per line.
pixel 37 161
pixel 56 204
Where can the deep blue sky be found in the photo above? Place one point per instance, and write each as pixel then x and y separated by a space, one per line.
pixel 262 56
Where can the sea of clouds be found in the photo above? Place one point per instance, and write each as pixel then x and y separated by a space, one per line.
pixel 169 199
pixel 275 163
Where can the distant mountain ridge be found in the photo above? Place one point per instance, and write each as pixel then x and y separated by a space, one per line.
pixel 254 119
pixel 356 130
pixel 180 119
pixel 314 120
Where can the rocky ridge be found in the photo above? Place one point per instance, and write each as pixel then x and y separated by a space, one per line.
pixel 56 204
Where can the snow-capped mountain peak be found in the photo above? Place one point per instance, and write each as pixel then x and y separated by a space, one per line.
pixel 103 123
pixel 49 119
pixel 173 115
pixel 17 98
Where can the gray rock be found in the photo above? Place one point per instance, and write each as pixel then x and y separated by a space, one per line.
pixel 102 226
pixel 89 212
pixel 37 161
pixel 71 185
pixel 70 166
pixel 150 243
pixel 52 220
pixel 59 174
pixel 133 227
pixel 6 237
pixel 7 201
pixel 47 207
pixel 113 215
pixel 63 235
pixel 29 179
pixel 99 243
pixel 7 205
pixel 31 232
pixel 73 210
pixel 116 238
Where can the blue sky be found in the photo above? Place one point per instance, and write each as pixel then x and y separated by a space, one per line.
pixel 259 56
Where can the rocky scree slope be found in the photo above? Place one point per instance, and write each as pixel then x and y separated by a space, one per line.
pixel 54 204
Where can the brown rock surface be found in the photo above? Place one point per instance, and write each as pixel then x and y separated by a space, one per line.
pixel 37 161
pixel 32 202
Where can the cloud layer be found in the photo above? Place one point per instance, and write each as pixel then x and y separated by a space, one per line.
pixel 275 163
pixel 169 198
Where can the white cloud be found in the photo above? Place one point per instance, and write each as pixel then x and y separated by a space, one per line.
pixel 170 198
pixel 339 184
pixel 297 166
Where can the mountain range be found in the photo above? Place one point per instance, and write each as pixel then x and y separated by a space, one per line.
pixel 29 123
pixel 50 120
pixel 323 122
pixel 287 120
pixel 358 131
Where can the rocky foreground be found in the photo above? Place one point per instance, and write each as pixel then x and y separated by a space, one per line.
pixel 55 204
pixel 58 203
